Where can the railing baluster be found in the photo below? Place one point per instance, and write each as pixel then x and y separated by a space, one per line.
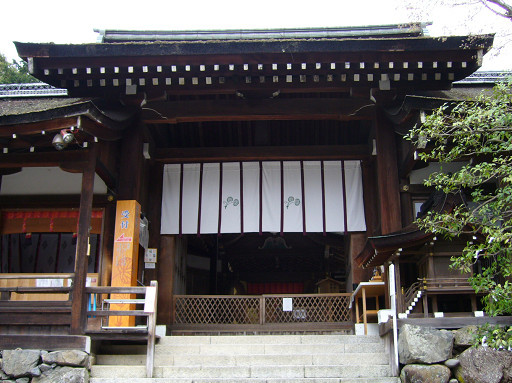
pixel 262 310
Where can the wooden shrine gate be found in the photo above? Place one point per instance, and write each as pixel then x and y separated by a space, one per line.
pixel 287 312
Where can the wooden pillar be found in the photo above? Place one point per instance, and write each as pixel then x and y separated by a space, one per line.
pixel 214 256
pixel 165 273
pixel 106 245
pixel 154 214
pixel 369 196
pixel 387 176
pixel 79 298
pixel 132 164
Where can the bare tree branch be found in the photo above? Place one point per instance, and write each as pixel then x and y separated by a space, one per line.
pixel 506 8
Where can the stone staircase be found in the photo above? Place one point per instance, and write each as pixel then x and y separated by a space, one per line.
pixel 250 359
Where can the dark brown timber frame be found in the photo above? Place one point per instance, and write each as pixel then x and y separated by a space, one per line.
pixel 166 84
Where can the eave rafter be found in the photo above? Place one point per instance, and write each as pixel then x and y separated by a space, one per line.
pixel 226 66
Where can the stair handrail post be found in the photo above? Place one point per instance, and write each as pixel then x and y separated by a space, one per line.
pixel 394 360
pixel 150 307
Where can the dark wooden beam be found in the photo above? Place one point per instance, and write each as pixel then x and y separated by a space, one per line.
pixel 42 159
pixel 45 342
pixel 79 298
pixel 35 318
pixel 99 131
pixel 265 153
pixel 107 177
pixel 37 127
pixel 268 109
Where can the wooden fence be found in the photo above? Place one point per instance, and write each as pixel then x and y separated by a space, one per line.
pixel 292 311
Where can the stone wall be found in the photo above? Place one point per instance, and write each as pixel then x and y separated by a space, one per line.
pixel 441 356
pixel 39 366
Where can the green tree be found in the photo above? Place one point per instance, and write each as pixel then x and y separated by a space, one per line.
pixel 14 72
pixel 479 132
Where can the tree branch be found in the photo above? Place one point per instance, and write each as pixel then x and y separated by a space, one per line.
pixel 507 8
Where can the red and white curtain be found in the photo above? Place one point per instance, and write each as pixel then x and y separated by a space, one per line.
pixel 265 196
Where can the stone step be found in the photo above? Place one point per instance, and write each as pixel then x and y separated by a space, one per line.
pixel 248 380
pixel 269 349
pixel 241 372
pixel 247 360
pixel 267 339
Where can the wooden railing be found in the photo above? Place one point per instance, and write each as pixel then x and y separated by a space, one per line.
pixel 260 310
pixel 149 303
pixel 35 287
pixel 410 294
pixel 448 284
pixel 35 303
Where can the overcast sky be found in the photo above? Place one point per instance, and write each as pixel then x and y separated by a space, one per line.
pixel 73 21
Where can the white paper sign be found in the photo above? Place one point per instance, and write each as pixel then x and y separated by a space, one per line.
pixel 150 265
pixel 287 304
pixel 150 255
pixel 49 282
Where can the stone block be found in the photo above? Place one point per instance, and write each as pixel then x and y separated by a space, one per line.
pixel 73 358
pixel 424 345
pixel 419 373
pixel 63 375
pixel 18 363
pixel 451 363
pixel 484 365
pixel 464 336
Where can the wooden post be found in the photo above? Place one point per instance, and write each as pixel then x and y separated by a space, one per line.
pixel 369 195
pixel 126 251
pixel 387 176
pixel 79 299
pixel 131 172
pixel 165 273
pixel 365 320
pixel 473 303
pixel 154 213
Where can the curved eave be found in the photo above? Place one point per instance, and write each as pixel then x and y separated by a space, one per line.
pixel 102 123
pixel 379 249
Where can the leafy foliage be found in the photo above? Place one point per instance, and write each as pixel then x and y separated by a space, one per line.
pixel 496 337
pixel 479 132
pixel 14 72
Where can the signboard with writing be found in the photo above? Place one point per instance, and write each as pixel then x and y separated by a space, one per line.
pixel 125 259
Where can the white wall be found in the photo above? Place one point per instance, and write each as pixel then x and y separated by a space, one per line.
pixel 40 181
